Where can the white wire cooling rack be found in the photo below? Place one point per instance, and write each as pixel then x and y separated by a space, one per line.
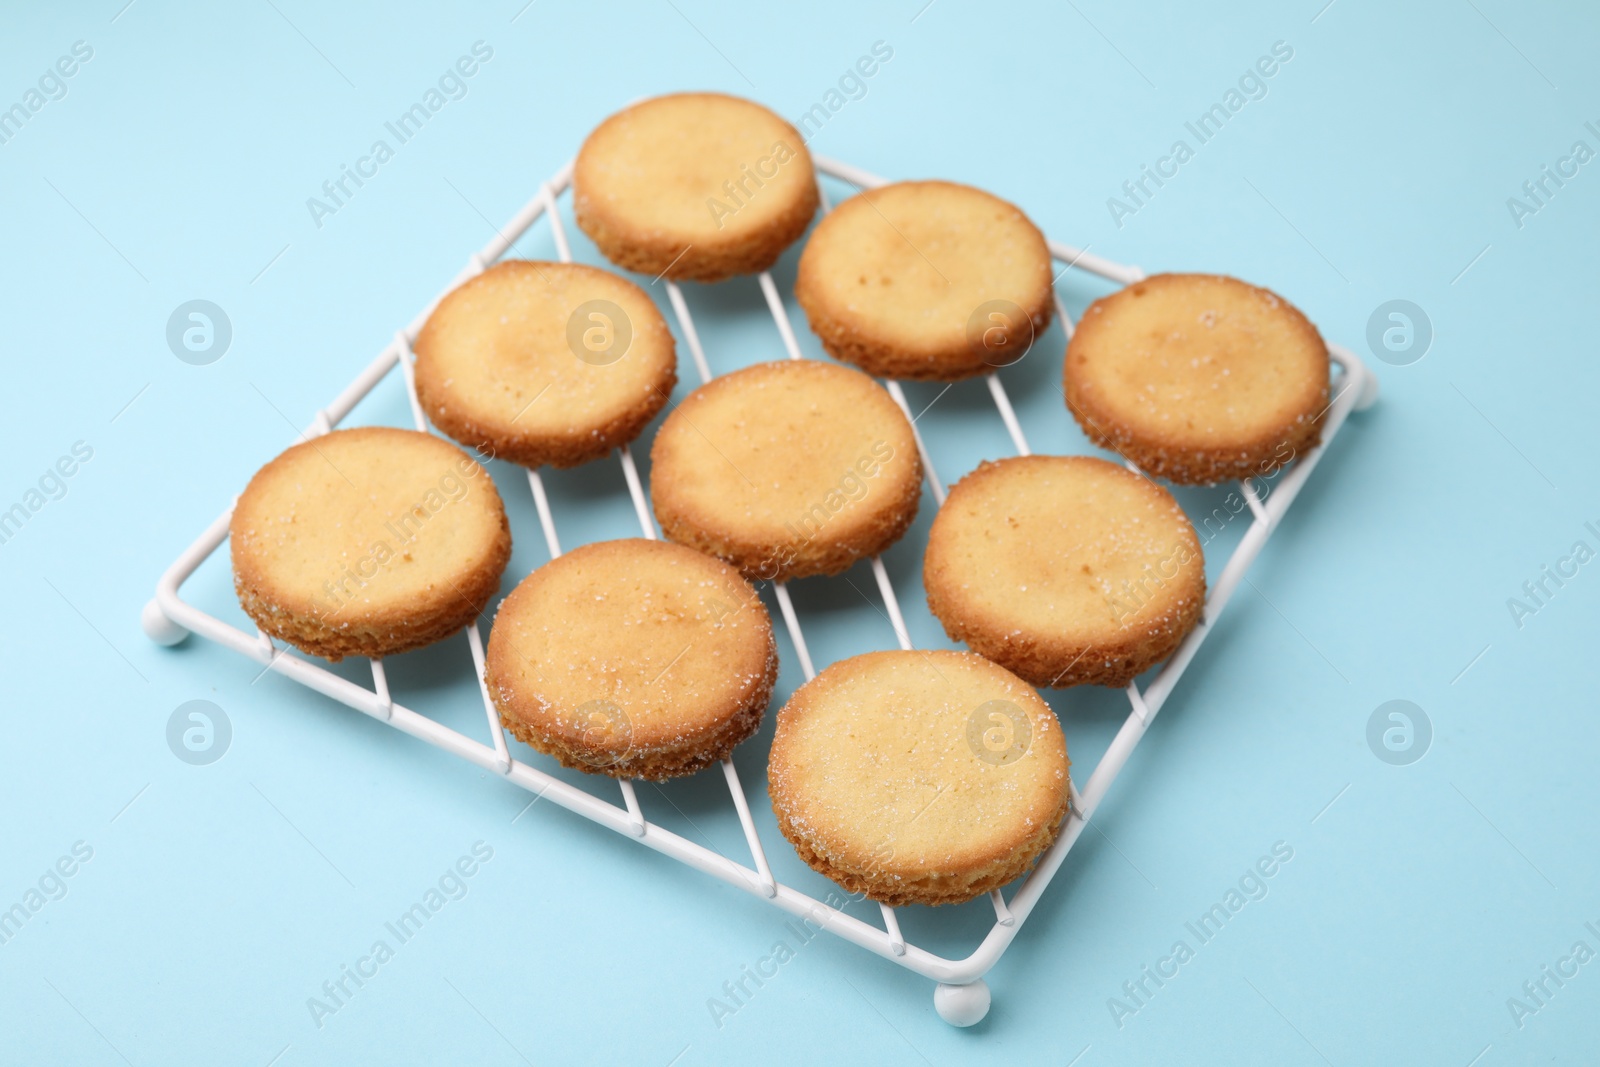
pixel 961 997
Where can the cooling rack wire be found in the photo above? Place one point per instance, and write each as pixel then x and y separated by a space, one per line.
pixel 961 996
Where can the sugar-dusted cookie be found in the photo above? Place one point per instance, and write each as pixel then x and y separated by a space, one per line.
pixel 1198 378
pixel 926 280
pixel 635 658
pixel 545 362
pixel 786 469
pixel 1066 569
pixel 368 542
pixel 694 185
pixel 918 777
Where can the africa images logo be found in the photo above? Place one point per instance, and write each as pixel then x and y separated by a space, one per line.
pixel 1399 732
pixel 339 190
pixel 1251 85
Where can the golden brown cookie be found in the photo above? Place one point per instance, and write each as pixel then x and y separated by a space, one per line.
pixel 694 185
pixel 634 658
pixel 786 469
pixel 926 280
pixel 918 777
pixel 545 363
pixel 1068 570
pixel 368 542
pixel 1198 378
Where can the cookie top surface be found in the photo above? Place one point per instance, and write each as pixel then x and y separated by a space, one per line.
pixel 1059 551
pixel 710 178
pixel 900 765
pixel 1197 362
pixel 368 524
pixel 907 280
pixel 545 362
pixel 786 468
pixel 623 647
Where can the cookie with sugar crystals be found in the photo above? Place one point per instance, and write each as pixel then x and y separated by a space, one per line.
pixel 1068 570
pixel 786 469
pixel 926 279
pixel 368 542
pixel 541 363
pixel 632 658
pixel 697 186
pixel 1198 378
pixel 918 777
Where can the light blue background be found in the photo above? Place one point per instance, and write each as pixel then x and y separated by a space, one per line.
pixel 1377 167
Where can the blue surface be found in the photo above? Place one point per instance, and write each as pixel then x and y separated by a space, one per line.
pixel 1375 165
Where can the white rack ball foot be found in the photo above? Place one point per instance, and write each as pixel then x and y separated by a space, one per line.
pixel 157 627
pixel 962 1005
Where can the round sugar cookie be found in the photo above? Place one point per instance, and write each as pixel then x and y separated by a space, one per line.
pixel 368 542
pixel 541 363
pixel 1068 570
pixel 697 186
pixel 918 777
pixel 633 658
pixel 786 469
pixel 1198 378
pixel 926 280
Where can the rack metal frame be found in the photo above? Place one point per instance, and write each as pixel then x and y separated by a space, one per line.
pixel 961 996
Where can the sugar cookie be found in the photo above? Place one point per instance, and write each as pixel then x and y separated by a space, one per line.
pixel 634 658
pixel 918 777
pixel 926 280
pixel 1065 569
pixel 1198 378
pixel 694 185
pixel 786 469
pixel 545 363
pixel 368 542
